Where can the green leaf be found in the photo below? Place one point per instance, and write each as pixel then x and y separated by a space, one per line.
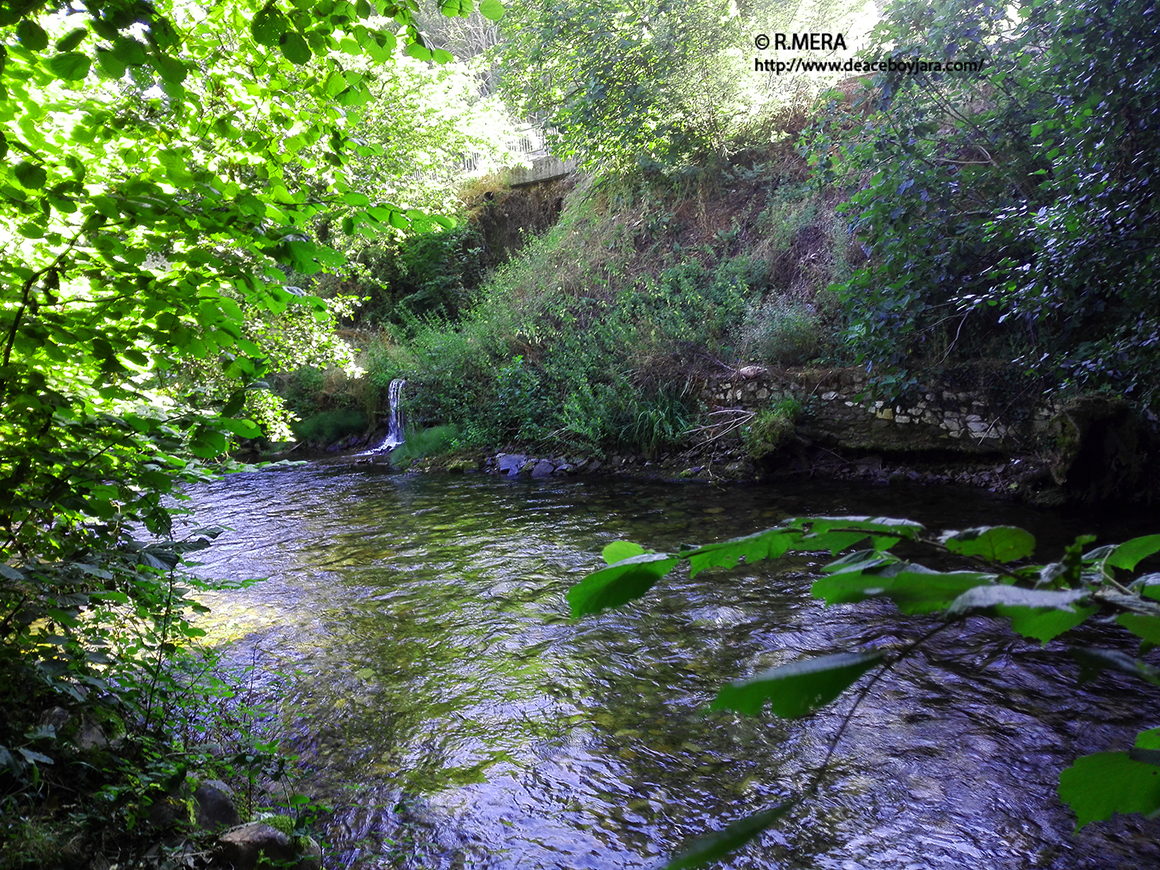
pixel 769 544
pixel 619 583
pixel 912 588
pixel 1149 739
pixel 1146 627
pixel 72 39
pixel 31 35
pixel 715 846
pixel 10 572
pixel 169 68
pixel 491 9
pixel 235 403
pixel 1130 553
pixel 456 8
pixel 110 64
pixel 993 543
pixel 618 551
pixel 242 428
pixel 1035 613
pixel 1093 661
pixel 30 175
pixel 294 47
pixel 889 526
pixel 70 66
pixel 208 443
pixel 305 256
pixel 129 51
pixel 1098 786
pixel 268 25
pixel 418 51
pixel 796 689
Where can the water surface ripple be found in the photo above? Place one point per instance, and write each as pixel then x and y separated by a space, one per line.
pixel 442 699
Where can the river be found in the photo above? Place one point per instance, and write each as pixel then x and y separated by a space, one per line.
pixel 413 634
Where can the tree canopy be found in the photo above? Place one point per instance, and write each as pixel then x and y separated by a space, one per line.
pixel 1007 210
pixel 163 167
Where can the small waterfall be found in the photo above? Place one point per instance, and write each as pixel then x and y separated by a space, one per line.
pixel 395 420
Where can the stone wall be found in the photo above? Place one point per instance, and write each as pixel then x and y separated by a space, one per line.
pixel 978 412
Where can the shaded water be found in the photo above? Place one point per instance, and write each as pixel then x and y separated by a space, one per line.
pixel 445 702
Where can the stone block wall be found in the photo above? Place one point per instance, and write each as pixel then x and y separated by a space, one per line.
pixel 837 411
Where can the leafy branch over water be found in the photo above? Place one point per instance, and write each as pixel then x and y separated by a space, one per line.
pixel 991 575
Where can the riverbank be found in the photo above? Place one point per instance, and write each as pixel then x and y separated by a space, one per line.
pixel 976 426
pixel 1021 478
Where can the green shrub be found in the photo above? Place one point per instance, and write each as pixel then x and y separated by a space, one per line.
pixel 430 274
pixel 327 427
pixel 424 443
pixel 771 428
pixel 782 330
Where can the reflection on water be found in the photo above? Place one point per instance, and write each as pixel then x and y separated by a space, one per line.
pixel 443 699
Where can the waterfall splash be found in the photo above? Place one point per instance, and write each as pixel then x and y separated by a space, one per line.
pixel 395 420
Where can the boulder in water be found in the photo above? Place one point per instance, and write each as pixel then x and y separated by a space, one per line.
pixel 510 463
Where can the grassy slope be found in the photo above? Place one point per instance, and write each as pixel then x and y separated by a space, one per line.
pixel 595 336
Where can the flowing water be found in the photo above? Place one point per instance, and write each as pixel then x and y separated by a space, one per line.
pixel 442 699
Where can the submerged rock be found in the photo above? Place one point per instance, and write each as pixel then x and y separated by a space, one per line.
pixel 510 463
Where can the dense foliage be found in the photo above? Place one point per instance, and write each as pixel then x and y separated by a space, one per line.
pixel 654 84
pixel 1007 211
pixel 163 167
pixel 990 574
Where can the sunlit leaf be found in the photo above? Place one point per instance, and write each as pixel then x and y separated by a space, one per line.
pixel 619 550
pixel 796 689
pixel 888 526
pixel 241 428
pixel 418 51
pixel 769 544
pixel 492 9
pixel 456 8
pixel 913 589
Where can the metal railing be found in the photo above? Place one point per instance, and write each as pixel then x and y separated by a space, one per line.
pixel 528 142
